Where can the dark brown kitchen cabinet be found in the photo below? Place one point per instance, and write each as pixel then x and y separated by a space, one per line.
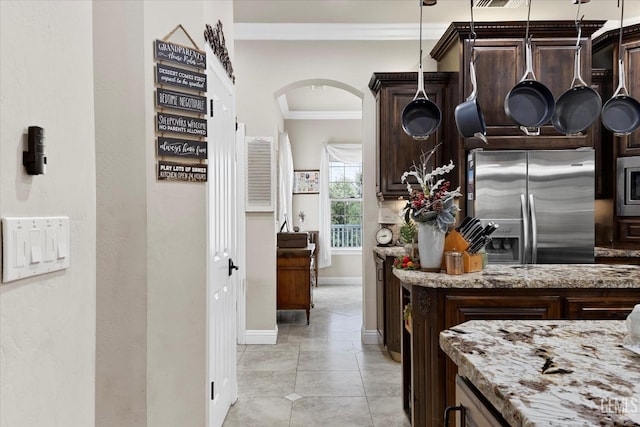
pixel 500 65
pixel 610 307
pixel 389 310
pixel 603 139
pixel 630 144
pixel 380 312
pixel 628 229
pixel 428 375
pixel 397 151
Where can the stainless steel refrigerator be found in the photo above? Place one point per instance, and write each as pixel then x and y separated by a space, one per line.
pixel 543 201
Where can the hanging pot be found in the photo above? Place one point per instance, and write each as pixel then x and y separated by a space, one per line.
pixel 468 115
pixel 578 107
pixel 621 113
pixel 421 117
pixel 530 103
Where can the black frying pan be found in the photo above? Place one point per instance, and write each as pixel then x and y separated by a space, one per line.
pixel 420 117
pixel 468 115
pixel 621 113
pixel 530 103
pixel 578 107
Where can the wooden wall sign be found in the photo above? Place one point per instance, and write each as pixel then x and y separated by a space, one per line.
pixel 181 124
pixel 179 54
pixel 181 101
pixel 166 75
pixel 189 172
pixel 184 148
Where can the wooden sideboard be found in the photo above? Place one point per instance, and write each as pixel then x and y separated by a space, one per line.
pixel 294 291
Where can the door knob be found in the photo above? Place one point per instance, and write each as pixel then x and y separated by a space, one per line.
pixel 232 266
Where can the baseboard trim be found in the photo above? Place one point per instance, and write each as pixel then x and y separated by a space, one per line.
pixel 354 280
pixel 369 336
pixel 260 336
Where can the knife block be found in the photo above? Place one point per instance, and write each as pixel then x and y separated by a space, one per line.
pixel 455 242
pixel 471 262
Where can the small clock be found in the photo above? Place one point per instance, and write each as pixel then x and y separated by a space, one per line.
pixel 384 236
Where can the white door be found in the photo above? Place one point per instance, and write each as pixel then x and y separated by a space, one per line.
pixel 222 236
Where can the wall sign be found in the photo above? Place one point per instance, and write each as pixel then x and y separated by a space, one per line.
pixel 167 75
pixel 185 148
pixel 189 172
pixel 168 51
pixel 181 101
pixel 181 124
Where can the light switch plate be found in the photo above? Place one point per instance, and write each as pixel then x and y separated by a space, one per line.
pixel 33 246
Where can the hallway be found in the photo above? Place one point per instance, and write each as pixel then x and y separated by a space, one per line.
pixel 320 374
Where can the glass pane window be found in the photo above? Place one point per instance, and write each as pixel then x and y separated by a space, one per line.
pixel 345 192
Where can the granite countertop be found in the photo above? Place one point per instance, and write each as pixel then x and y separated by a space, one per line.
pixel 530 276
pixel 616 253
pixel 390 250
pixel 598 252
pixel 591 380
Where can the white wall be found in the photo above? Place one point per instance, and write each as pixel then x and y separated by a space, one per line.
pixel 47 323
pixel 151 333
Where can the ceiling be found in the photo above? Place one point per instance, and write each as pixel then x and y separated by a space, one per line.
pixel 386 20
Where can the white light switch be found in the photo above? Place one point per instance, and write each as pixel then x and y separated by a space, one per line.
pixel 21 240
pixel 33 246
pixel 35 241
pixel 49 243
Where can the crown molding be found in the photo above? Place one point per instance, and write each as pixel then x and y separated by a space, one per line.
pixel 315 31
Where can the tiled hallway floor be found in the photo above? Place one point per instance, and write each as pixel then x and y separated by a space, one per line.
pixel 319 374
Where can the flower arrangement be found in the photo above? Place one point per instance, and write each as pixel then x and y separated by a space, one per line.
pixel 431 202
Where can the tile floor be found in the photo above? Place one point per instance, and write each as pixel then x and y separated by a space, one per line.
pixel 320 374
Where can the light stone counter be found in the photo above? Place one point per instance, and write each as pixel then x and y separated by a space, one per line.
pixel 530 276
pixel 592 379
pixel 616 253
pixel 393 251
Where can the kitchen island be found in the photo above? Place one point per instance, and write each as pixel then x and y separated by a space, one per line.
pixel 547 373
pixel 499 292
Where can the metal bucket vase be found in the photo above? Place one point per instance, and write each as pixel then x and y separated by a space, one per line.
pixel 430 246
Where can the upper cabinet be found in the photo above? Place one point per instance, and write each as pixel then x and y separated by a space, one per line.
pixel 397 151
pixel 605 51
pixel 500 65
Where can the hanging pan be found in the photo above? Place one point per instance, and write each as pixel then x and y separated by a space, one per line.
pixel 468 115
pixel 578 107
pixel 621 113
pixel 420 117
pixel 530 103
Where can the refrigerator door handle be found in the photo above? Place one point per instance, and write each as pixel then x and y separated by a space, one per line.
pixel 534 230
pixel 524 246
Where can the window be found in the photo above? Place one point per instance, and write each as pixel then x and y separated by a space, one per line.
pixel 345 194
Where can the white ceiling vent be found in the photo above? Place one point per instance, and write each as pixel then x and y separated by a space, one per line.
pixel 498 3
pixel 260 174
